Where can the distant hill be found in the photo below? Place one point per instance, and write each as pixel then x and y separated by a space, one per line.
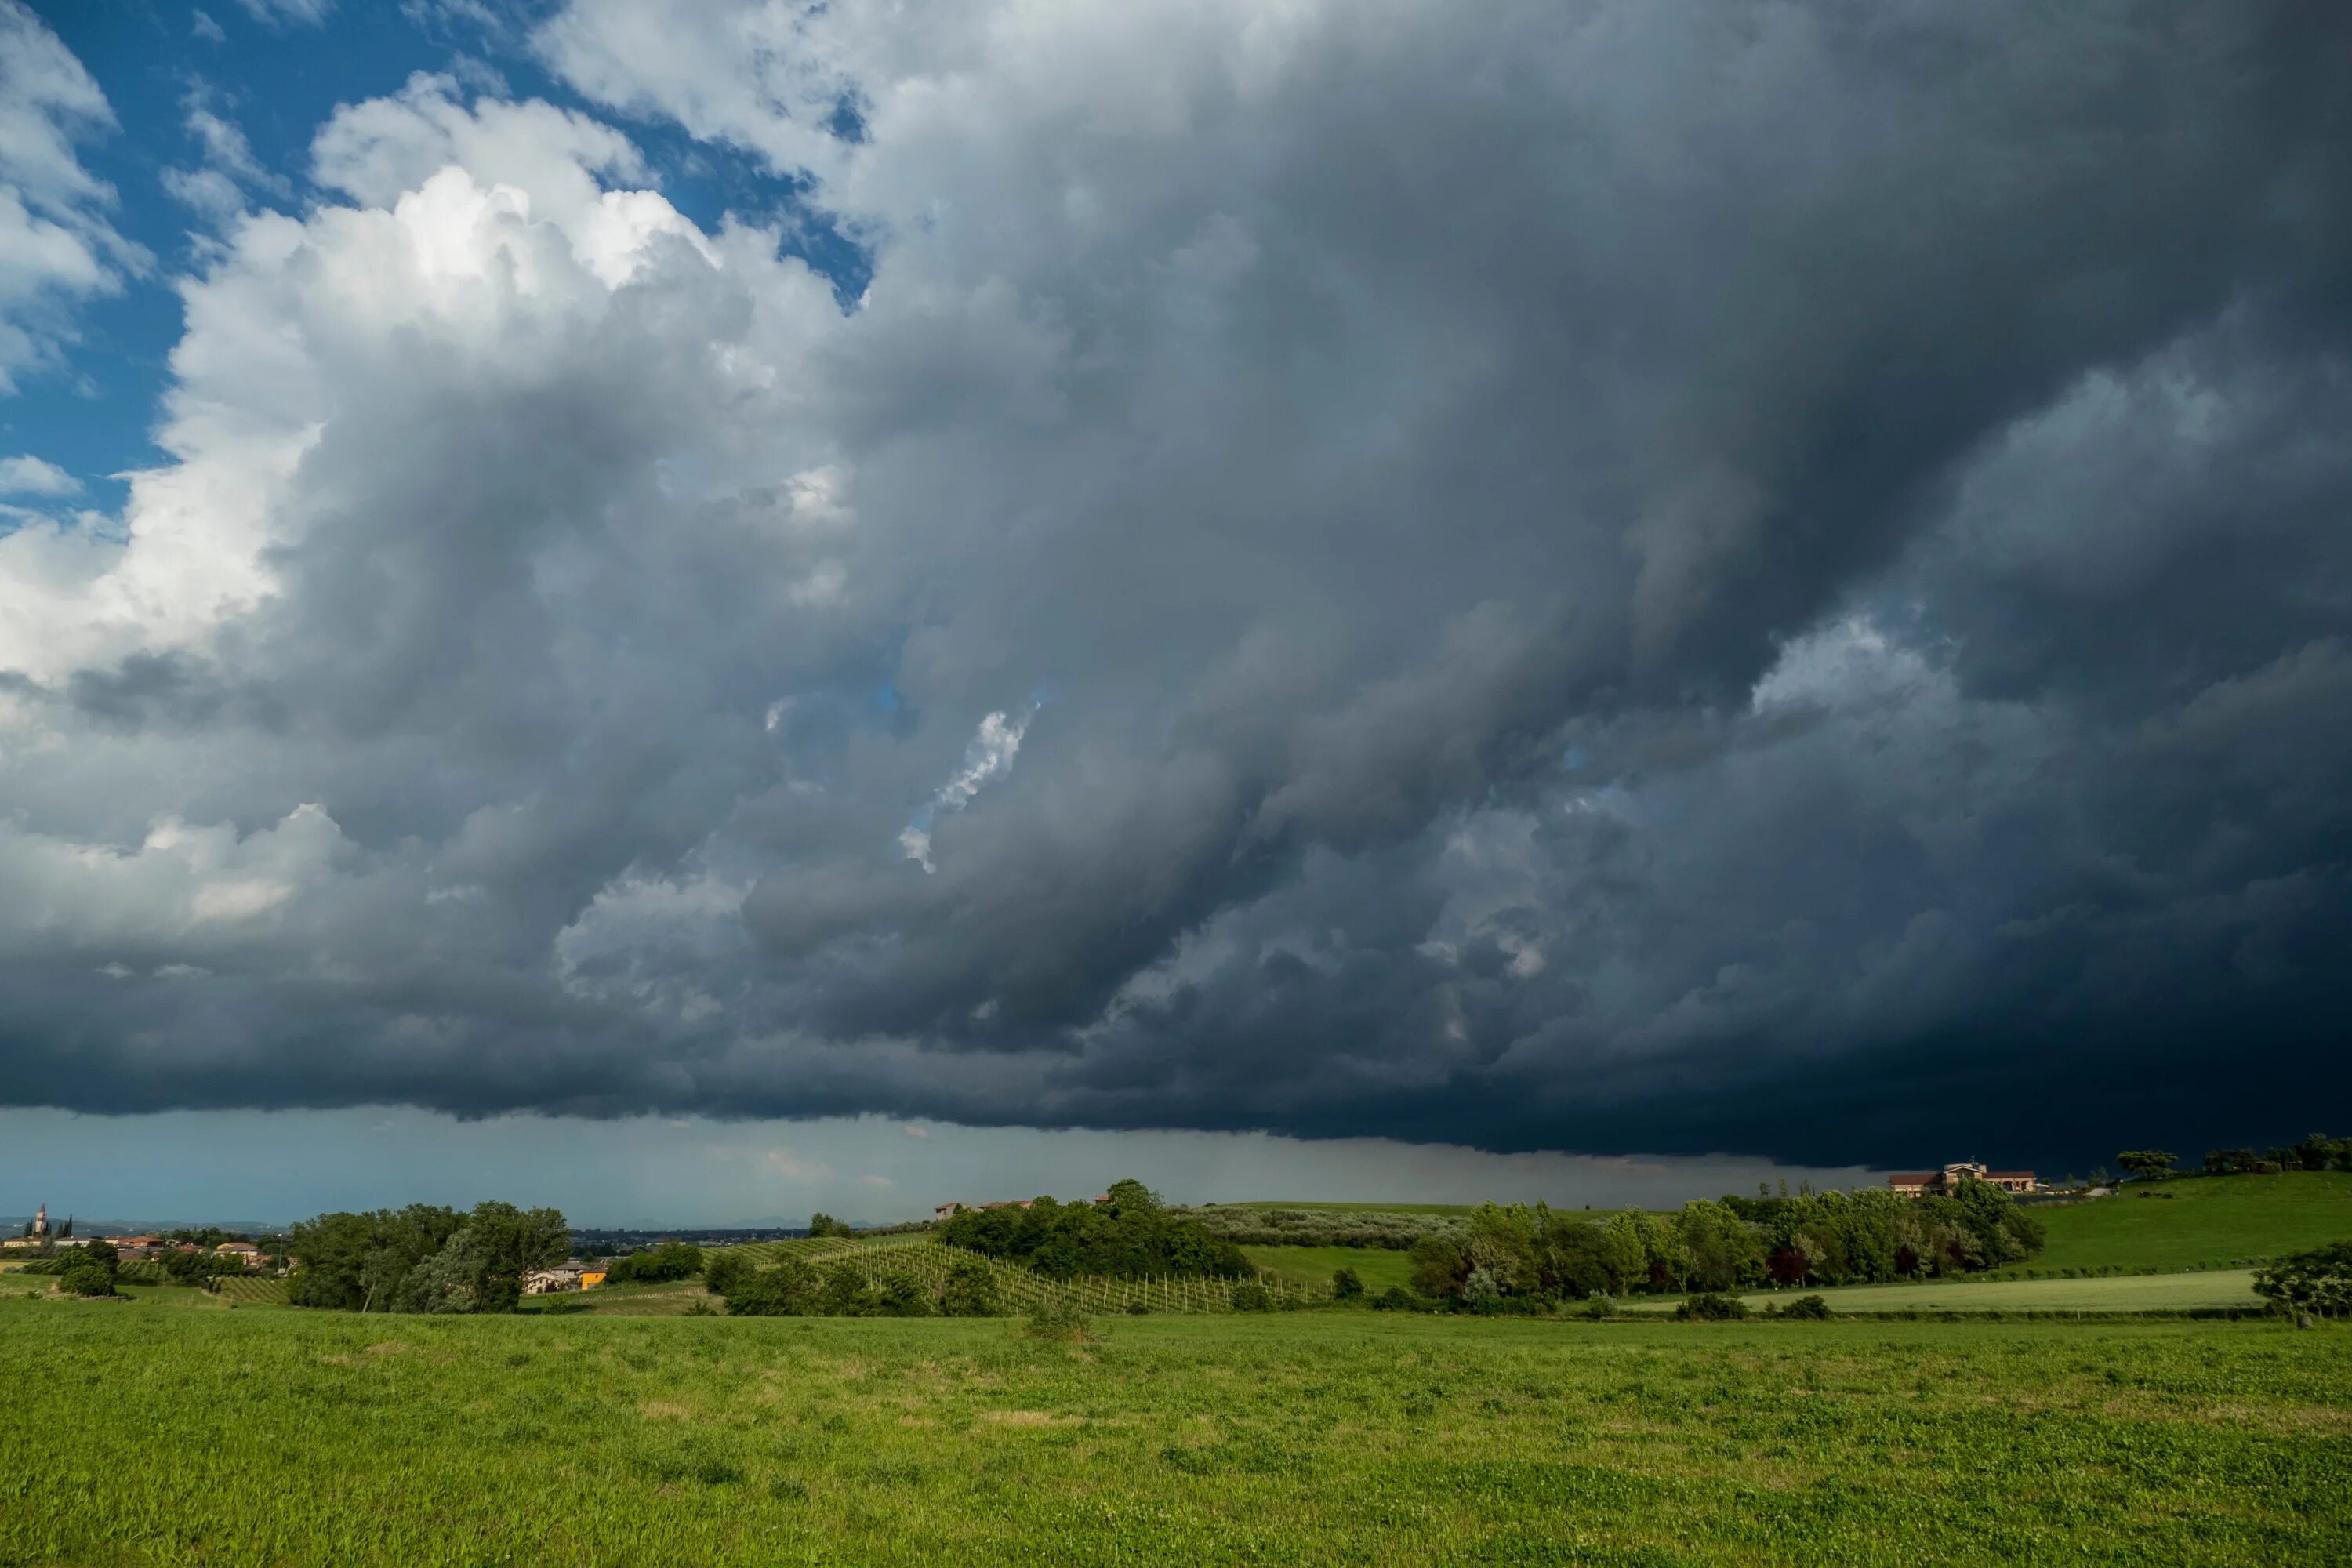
pixel 2198 1222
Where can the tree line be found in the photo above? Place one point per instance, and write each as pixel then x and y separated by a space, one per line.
pixel 1514 1257
pixel 425 1258
pixel 2318 1152
pixel 792 1288
pixel 1130 1235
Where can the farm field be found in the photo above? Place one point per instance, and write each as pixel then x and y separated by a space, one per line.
pixel 1320 1438
pixel 1378 1267
pixel 2198 1222
pixel 2118 1293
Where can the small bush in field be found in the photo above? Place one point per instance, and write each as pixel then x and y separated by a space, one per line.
pixel 1060 1320
pixel 1707 1307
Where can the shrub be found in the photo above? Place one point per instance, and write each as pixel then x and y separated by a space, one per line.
pixel 902 1296
pixel 724 1272
pixel 787 1291
pixel 1707 1307
pixel 1060 1320
pixel 1347 1285
pixel 1598 1307
pixel 2318 1281
pixel 1249 1296
pixel 970 1291
pixel 1808 1308
pixel 1396 1299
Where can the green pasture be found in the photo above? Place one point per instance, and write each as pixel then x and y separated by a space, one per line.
pixel 2119 1293
pixel 1378 1267
pixel 2198 1222
pixel 295 1437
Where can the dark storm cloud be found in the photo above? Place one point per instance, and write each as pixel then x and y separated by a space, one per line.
pixel 1610 576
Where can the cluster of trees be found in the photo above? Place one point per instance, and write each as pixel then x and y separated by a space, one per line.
pixel 792 1288
pixel 88 1271
pixel 823 1224
pixel 199 1268
pixel 670 1261
pixel 1322 1228
pixel 425 1258
pixel 1130 1235
pixel 2316 1152
pixel 1532 1256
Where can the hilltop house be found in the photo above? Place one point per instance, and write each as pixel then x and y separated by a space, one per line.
pixel 1943 1183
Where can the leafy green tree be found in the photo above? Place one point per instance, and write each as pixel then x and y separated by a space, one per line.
pixel 787 1291
pixel 842 1292
pixel 450 1281
pixel 1622 1253
pixel 2147 1164
pixel 1725 1251
pixel 970 1292
pixel 1347 1285
pixel 1439 1267
pixel 903 1296
pixel 723 1271
pixel 88 1271
pixel 356 1262
pixel 1571 1253
pixel 825 1224
pixel 2318 1281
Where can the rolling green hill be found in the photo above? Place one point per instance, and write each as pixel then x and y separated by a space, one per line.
pixel 2198 1222
pixel 1979 1293
pixel 1378 1267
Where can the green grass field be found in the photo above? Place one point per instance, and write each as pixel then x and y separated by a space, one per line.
pixel 295 1437
pixel 2198 1222
pixel 2119 1293
pixel 1378 1267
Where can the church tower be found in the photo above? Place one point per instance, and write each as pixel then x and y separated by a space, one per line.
pixel 41 1221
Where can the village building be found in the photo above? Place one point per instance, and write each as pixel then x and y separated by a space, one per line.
pixel 548 1281
pixel 1944 1182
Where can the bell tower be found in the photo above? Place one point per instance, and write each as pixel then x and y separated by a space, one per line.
pixel 41 1221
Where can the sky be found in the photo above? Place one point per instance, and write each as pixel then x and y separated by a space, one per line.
pixel 1328 592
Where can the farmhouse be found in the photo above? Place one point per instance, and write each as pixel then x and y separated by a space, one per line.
pixel 1938 1183
pixel 548 1281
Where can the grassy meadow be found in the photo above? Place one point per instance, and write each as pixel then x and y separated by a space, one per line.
pixel 1985 1293
pixel 131 1433
pixel 2198 1221
pixel 1378 1267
